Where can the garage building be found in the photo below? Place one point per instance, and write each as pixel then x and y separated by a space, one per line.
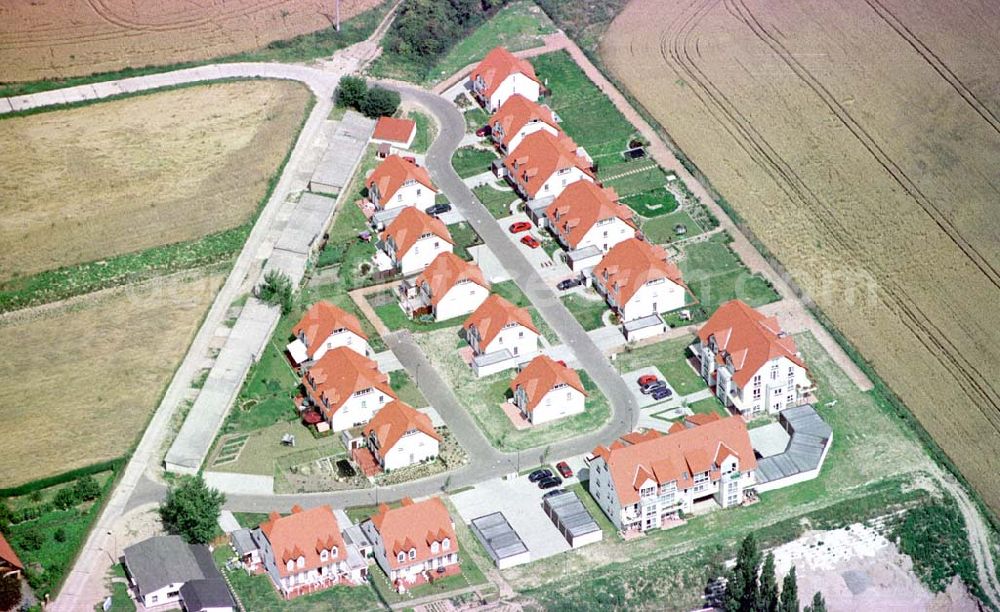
pixel 500 540
pixel 572 519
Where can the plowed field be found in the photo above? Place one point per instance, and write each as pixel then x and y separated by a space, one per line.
pixel 861 142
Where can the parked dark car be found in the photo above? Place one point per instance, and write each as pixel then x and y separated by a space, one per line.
pixel 484 131
pixel 438 209
pixel 661 393
pixel 553 493
pixel 564 470
pixel 569 283
pixel 548 483
pixel 647 389
pixel 539 474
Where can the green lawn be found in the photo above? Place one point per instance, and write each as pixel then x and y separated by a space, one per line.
pixel 470 161
pixel 580 488
pixel 394 318
pixel 249 520
pixel 715 274
pixel 464 237
pixel 653 203
pixel 406 389
pixel 647 177
pixel 475 118
pixel 263 453
pixel 660 230
pixel 426 132
pixel 588 312
pixel 496 201
pixel 121 601
pixel 519 25
pixel 670 356
pixel 708 405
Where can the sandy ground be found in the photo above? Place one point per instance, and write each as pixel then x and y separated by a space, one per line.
pixel 856 568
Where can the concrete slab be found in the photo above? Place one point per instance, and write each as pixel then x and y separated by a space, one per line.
pixel 632 380
pixel 291 264
pixel 452 217
pixel 240 484
pixel 387 361
pixel 607 338
pixel 342 154
pixel 228 522
pixel 489 264
pixel 306 223
pixel 436 419
pixel 769 440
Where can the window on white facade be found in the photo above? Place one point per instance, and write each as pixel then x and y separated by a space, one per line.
pixel 701 478
pixel 756 380
pixel 301 562
pixel 774 372
pixel 756 393
pixel 290 565
pixel 791 371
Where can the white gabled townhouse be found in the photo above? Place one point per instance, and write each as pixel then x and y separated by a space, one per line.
pixel 346 389
pixel 518 117
pixel 546 390
pixel 325 327
pixel 645 481
pixel 397 182
pixel 587 216
pixel 638 280
pixel 400 436
pixel 449 287
pixel 501 75
pixel 752 364
pixel 501 335
pixel 544 164
pixel 415 542
pixel 411 242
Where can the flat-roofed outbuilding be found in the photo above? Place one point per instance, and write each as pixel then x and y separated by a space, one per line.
pixel 572 519
pixel 502 543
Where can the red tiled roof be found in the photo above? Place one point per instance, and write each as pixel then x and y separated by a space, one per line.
pixel 321 320
pixel 580 206
pixel 539 156
pixel 410 225
pixel 632 263
pixel 447 270
pixel 748 338
pixel 304 533
pixel 493 315
pixel 517 112
pixel 393 420
pixel 678 456
pixel 393 173
pixel 7 554
pixel 498 65
pixel 414 525
pixel 541 375
pixel 394 130
pixel 339 374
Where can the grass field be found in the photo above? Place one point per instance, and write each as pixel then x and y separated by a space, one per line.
pixel 661 229
pixel 103 361
pixel 887 219
pixel 670 356
pixel 715 274
pixel 587 311
pixel 497 201
pixel 470 161
pixel 138 172
pixel 426 131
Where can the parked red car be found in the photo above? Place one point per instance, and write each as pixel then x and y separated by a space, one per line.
pixel 530 241
pixel 520 226
pixel 483 131
pixel 647 379
pixel 564 470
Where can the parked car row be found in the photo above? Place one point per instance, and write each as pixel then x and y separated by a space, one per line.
pixel 545 479
pixel 654 387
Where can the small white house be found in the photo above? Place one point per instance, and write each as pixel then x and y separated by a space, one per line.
pixel 501 75
pixel 449 287
pixel 501 336
pixel 415 542
pixel 346 388
pixel 399 436
pixel 638 280
pixel 517 118
pixel 543 165
pixel 325 327
pixel 411 242
pixel 586 215
pixel 546 390
pixel 397 182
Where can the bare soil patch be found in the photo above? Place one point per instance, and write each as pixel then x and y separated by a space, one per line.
pixel 79 379
pixel 860 143
pixel 83 184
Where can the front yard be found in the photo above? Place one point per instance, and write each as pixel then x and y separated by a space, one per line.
pixel 470 161
pixel 497 201
pixel 588 312
pixel 662 230
pixel 670 356
pixel 715 274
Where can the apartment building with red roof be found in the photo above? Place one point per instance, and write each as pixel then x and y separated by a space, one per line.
pixel 397 182
pixel 518 117
pixel 543 165
pixel 649 483
pixel 638 280
pixel 10 564
pixel 449 287
pixel 501 335
pixel 346 388
pixel 501 75
pixel 752 364
pixel 323 327
pixel 587 216
pixel 415 542
pixel 411 241
pixel 546 390
pixel 305 552
pixel 395 132
pixel 400 436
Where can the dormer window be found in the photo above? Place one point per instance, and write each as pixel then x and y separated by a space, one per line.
pixel 401 557
pixel 446 543
pixel 413 553
pixel 290 565
pixel 301 562
pixel 334 551
pixel 434 547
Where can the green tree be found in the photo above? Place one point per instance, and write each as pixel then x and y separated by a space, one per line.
pixel 87 489
pixel 276 290
pixel 192 509
pixel 6 515
pixel 10 592
pixel 351 91
pixel 818 603
pixel 767 596
pixel 32 539
pixel 65 498
pixel 789 601
pixel 741 590
pixel 379 102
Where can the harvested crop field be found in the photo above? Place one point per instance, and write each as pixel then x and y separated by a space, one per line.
pixel 87 373
pixel 860 141
pixel 62 38
pixel 139 172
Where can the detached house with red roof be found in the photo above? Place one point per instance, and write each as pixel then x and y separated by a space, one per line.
pixel 501 335
pixel 411 242
pixel 400 436
pixel 751 362
pixel 397 182
pixel 639 281
pixel 518 117
pixel 544 164
pixel 644 482
pixel 587 219
pixel 325 327
pixel 346 389
pixel 546 390
pixel 501 75
pixel 10 564
pixel 449 287
pixel 395 132
pixel 305 552
pixel 414 543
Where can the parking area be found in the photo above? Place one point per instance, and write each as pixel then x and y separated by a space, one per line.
pixel 537 256
pixel 645 401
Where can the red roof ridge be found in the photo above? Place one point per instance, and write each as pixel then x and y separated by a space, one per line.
pixel 445 271
pixel 393 173
pixel 407 527
pixel 393 129
pixel 632 263
pixel 410 225
pixel 498 64
pixel 539 155
pixel 541 375
pixel 303 533
pixel 494 314
pixel 321 320
pixel 581 205
pixel 339 374
pixel 393 420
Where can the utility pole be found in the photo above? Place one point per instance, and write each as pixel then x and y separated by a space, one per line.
pixel 338 15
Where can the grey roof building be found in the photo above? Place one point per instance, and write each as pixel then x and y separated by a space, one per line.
pixel 809 440
pixel 572 519
pixel 159 567
pixel 500 540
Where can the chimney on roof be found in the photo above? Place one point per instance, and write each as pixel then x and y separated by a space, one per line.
pixel 296 509
pixel 407 501
pixel 273 516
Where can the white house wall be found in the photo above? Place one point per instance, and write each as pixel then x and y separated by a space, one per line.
pixel 422 253
pixel 461 299
pixel 409 450
pixel 666 296
pixel 415 194
pixel 358 410
pixel 343 338
pixel 558 404
pixel 515 83
pixel 606 236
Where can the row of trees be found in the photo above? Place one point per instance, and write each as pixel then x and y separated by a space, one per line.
pixel 753 587
pixel 426 29
pixel 354 92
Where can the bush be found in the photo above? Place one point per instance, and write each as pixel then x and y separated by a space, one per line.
pixel 276 290
pixel 66 498
pixel 351 91
pixel 379 102
pixel 426 29
pixel 192 509
pixel 32 539
pixel 59 535
pixel 87 489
